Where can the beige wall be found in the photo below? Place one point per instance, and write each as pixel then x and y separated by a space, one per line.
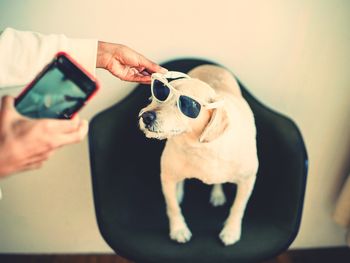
pixel 293 55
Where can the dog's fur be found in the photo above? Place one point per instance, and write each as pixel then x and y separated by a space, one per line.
pixel 219 146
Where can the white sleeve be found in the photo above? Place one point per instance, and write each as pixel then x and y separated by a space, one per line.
pixel 24 54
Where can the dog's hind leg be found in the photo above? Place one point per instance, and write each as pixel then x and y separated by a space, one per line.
pixel 231 232
pixel 180 191
pixel 178 227
pixel 217 195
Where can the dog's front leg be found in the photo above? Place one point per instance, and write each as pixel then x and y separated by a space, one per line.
pixel 178 228
pixel 231 232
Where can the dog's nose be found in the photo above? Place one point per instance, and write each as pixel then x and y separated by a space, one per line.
pixel 148 117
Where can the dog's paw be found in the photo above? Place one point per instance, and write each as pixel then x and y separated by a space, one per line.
pixel 181 235
pixel 229 236
pixel 217 197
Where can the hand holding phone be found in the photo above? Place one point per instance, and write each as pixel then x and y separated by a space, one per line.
pixel 27 143
pixel 59 91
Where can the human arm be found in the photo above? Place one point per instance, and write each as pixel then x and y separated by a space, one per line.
pixel 23 54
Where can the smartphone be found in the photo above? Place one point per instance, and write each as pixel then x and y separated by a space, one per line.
pixel 59 91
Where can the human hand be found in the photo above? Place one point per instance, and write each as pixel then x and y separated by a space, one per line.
pixel 126 63
pixel 26 143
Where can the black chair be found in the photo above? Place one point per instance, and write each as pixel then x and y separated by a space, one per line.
pixel 130 207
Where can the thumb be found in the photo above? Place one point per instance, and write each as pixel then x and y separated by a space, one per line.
pixel 7 103
pixel 7 109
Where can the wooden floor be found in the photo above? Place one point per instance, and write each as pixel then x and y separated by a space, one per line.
pixel 331 255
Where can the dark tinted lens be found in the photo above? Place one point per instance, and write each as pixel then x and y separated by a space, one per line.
pixel 160 91
pixel 189 107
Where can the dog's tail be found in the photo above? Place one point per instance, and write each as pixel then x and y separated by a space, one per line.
pixel 220 79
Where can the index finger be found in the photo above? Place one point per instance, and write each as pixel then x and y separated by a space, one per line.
pixel 60 126
pixel 73 137
pixel 151 66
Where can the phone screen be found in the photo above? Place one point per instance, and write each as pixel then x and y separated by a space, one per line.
pixel 51 96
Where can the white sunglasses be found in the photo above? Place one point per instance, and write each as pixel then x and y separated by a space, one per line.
pixel 162 91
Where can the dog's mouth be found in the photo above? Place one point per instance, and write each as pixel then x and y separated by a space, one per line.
pixel 170 132
pixel 153 132
pixel 152 128
pixel 155 129
pixel 150 132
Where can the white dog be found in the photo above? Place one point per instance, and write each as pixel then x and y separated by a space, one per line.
pixel 211 136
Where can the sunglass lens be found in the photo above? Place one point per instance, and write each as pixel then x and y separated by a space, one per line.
pixel 189 107
pixel 160 91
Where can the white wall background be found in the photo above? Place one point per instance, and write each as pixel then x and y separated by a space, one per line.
pixel 293 55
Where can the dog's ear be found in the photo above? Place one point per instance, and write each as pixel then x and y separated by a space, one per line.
pixel 216 126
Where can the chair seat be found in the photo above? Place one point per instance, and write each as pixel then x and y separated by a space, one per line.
pixel 130 207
